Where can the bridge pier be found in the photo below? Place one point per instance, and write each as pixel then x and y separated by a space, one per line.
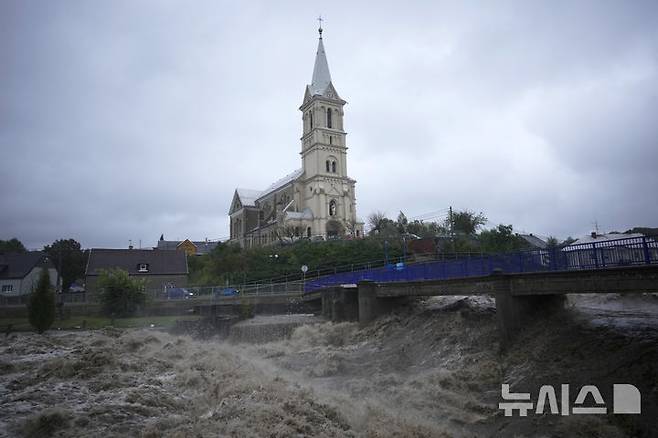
pixel 514 312
pixel 372 306
pixel 341 303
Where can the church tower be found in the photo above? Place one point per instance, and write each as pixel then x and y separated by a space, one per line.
pixel 330 192
pixel 316 201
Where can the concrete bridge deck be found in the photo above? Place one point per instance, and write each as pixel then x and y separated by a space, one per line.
pixel 520 298
pixel 634 279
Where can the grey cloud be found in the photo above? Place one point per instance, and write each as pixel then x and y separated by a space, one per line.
pixel 124 120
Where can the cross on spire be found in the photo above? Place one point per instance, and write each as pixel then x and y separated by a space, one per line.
pixel 320 20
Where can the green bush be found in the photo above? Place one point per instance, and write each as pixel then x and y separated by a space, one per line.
pixel 41 307
pixel 120 295
pixel 234 265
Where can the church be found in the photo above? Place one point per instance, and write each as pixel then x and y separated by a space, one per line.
pixel 316 201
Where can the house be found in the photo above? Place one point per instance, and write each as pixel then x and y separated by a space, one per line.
pixel 533 241
pixel 612 249
pixel 159 268
pixel 19 274
pixel 190 247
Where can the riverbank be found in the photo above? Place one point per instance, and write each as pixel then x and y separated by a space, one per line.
pixel 96 322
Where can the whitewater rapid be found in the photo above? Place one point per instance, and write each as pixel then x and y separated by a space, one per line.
pixel 433 369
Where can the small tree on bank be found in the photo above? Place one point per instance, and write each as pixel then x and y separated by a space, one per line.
pixel 41 306
pixel 120 295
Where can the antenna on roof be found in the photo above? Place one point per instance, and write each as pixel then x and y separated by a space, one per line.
pixel 596 226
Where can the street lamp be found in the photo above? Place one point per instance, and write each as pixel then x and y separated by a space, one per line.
pixel 304 269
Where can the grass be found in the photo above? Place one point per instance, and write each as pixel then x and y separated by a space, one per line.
pixel 97 322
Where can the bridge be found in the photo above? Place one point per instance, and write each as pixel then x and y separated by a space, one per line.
pixel 525 284
pixel 520 297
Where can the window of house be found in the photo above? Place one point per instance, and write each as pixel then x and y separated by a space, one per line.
pixel 143 267
pixel 7 287
pixel 327 164
pixel 329 118
pixel 333 167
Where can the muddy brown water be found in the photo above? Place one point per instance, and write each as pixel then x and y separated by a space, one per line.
pixel 433 370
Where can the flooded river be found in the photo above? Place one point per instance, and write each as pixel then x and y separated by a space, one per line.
pixel 432 370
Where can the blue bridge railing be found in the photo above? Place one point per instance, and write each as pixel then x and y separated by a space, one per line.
pixel 595 255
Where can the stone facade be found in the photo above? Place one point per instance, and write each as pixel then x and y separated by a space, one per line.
pixel 317 201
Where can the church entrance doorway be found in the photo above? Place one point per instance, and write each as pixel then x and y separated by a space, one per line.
pixel 335 228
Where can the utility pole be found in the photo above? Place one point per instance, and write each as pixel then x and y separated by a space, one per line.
pixel 452 233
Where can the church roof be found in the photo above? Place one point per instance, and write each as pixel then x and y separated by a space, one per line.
pixel 282 182
pixel 248 196
pixel 304 214
pixel 321 76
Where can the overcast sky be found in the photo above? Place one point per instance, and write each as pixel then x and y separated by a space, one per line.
pixel 124 120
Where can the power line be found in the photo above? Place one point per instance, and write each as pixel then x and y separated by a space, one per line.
pixel 431 215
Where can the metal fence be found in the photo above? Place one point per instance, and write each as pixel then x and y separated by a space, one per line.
pixel 211 293
pixel 596 255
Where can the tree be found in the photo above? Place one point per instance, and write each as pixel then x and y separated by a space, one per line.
pixel 552 242
pixel 568 241
pixel 643 230
pixel 466 222
pixel 41 307
pixel 501 239
pixel 402 223
pixel 68 256
pixel 120 295
pixel 375 221
pixel 11 245
pixel 335 228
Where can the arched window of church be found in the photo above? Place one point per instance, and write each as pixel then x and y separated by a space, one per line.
pixel 328 117
pixel 331 140
pixel 332 208
pixel 327 164
pixel 333 167
pixel 308 232
pixel 310 118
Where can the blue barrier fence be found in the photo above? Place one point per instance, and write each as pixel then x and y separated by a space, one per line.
pixel 596 255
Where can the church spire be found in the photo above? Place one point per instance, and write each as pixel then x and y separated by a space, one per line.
pixel 321 76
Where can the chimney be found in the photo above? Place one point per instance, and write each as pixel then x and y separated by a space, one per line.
pixel 593 234
pixel 130 244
